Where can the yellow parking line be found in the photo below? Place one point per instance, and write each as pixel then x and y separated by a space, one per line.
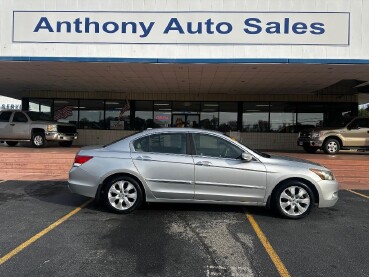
pixel 42 233
pixel 268 247
pixel 362 195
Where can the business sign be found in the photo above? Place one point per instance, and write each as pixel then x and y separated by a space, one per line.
pixel 279 28
pixel 10 106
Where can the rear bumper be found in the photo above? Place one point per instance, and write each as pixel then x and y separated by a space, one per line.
pixel 83 183
pixel 56 136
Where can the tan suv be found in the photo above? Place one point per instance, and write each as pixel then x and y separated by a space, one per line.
pixel 354 135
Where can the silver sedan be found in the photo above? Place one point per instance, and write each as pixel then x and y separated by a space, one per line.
pixel 197 166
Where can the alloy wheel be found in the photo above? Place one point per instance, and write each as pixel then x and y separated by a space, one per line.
pixel 332 147
pixel 38 140
pixel 122 195
pixel 294 200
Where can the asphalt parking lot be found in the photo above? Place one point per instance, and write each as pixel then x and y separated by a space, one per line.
pixel 174 239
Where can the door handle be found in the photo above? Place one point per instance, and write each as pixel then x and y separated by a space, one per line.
pixel 12 124
pixel 144 158
pixel 204 163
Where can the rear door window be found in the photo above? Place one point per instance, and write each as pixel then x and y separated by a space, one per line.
pixel 169 143
pixel 5 116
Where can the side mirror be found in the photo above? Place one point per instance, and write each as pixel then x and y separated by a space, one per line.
pixel 246 157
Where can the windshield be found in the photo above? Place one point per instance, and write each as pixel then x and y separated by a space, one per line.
pixel 36 116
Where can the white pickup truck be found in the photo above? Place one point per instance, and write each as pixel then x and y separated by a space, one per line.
pixel 17 125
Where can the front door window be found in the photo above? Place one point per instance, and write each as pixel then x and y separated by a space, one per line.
pixel 211 146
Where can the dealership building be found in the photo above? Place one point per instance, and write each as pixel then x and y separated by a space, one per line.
pixel 262 70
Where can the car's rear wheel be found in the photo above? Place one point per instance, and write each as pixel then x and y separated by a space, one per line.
pixel 331 146
pixel 309 149
pixel 293 200
pixel 38 140
pixel 12 143
pixel 66 143
pixel 122 195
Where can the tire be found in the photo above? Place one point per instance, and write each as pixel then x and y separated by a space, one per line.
pixel 38 140
pixel 331 146
pixel 116 192
pixel 67 143
pixel 12 143
pixel 309 149
pixel 293 200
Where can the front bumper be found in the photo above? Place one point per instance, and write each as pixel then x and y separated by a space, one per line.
pixel 56 136
pixel 309 142
pixel 328 193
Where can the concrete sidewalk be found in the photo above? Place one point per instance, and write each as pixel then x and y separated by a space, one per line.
pixel 53 163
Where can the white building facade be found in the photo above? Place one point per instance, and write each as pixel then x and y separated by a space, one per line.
pixel 263 68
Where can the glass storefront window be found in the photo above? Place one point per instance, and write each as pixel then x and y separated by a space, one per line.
pixel 339 114
pixel 186 107
pixel 118 114
pixel 91 114
pixel 228 116
pixel 209 116
pixel 34 105
pixel 255 117
pixel 41 105
pixel 310 115
pixel 186 114
pixel 144 115
pixel 66 110
pixel 282 117
pixel 162 114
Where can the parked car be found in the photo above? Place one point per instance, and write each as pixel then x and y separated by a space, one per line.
pixel 16 126
pixel 354 135
pixel 197 166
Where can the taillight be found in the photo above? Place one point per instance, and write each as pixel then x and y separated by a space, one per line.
pixel 79 160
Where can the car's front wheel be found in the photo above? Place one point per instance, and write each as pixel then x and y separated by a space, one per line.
pixel 293 200
pixel 38 140
pixel 331 146
pixel 12 143
pixel 122 195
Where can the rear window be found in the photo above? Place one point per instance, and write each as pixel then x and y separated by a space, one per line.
pixel 162 143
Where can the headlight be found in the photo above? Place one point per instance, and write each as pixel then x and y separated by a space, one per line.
pixel 52 128
pixel 323 174
pixel 315 135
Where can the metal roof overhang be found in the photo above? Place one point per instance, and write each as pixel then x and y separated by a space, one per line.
pixel 188 76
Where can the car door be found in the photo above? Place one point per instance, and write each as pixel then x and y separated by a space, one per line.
pixel 162 160
pixel 357 133
pixel 20 126
pixel 5 127
pixel 221 174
